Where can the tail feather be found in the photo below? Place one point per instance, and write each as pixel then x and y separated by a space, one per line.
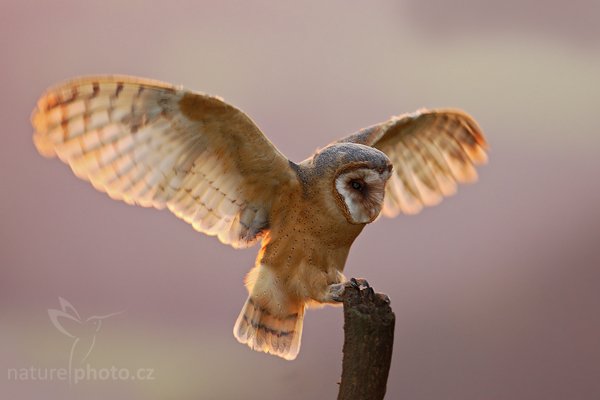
pixel 263 330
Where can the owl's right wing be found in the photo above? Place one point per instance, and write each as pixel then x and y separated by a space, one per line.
pixel 156 145
pixel 431 150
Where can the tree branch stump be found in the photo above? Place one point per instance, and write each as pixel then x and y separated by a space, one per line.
pixel 368 343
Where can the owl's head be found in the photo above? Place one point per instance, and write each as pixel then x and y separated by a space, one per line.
pixel 360 190
pixel 359 177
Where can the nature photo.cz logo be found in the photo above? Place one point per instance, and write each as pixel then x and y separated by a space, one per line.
pixel 83 334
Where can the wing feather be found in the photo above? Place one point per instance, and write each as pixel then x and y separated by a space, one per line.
pixel 431 150
pixel 156 145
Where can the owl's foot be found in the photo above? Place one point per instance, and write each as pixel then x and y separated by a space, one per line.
pixel 357 283
pixel 335 291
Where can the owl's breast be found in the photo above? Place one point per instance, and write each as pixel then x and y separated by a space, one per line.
pixel 308 233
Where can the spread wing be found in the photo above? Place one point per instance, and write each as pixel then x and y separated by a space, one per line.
pixel 431 150
pixel 156 145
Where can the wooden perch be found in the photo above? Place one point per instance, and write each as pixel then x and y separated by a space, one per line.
pixel 368 343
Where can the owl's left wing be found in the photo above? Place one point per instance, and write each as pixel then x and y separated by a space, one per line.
pixel 431 150
pixel 149 143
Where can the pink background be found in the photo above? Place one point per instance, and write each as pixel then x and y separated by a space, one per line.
pixel 496 291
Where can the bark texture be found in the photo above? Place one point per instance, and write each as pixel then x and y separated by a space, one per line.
pixel 368 343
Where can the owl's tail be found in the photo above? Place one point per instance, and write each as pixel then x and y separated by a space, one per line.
pixel 272 332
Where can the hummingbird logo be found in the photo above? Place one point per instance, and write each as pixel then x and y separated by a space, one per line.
pixel 83 331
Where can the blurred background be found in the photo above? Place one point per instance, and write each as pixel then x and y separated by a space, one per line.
pixel 496 291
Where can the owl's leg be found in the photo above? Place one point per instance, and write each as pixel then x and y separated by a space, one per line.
pixel 335 291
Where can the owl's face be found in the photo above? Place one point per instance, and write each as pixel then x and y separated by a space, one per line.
pixel 361 190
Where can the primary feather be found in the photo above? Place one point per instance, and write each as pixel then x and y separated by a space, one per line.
pixel 149 143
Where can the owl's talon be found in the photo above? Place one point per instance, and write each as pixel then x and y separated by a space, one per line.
pixel 359 283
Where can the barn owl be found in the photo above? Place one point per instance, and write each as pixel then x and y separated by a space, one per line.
pixel 156 145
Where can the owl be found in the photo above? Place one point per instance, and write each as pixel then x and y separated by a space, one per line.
pixel 157 145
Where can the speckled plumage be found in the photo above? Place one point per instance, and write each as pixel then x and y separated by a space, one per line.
pixel 153 144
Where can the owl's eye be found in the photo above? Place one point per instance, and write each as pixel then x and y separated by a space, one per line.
pixel 357 185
